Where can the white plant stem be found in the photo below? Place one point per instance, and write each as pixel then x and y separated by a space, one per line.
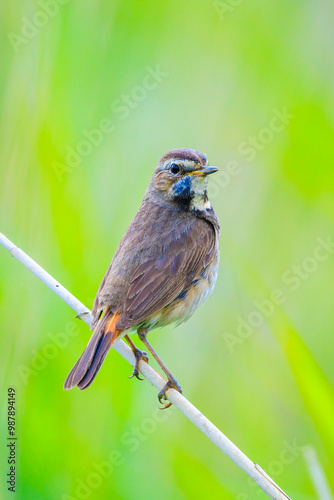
pixel 317 474
pixel 190 411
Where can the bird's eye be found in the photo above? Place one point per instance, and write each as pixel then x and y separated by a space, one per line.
pixel 175 169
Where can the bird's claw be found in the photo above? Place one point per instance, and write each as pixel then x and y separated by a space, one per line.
pixel 170 384
pixel 135 373
pixel 139 355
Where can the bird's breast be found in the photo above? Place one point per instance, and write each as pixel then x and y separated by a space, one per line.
pixel 189 300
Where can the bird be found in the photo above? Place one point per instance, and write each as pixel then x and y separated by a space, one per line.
pixel 165 267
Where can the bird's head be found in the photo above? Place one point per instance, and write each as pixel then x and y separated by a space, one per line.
pixel 181 177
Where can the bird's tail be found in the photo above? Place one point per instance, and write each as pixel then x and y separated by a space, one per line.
pixel 90 361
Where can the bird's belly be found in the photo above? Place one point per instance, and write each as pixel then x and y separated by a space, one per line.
pixel 184 306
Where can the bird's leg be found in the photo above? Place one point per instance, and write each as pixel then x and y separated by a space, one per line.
pixel 139 355
pixel 171 380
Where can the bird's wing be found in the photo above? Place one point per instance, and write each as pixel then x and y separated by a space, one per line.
pixel 167 270
pixel 97 309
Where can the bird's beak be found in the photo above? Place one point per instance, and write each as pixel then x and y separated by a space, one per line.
pixel 204 171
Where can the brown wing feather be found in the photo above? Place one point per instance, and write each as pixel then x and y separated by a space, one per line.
pixel 161 277
pixel 157 258
pixel 97 309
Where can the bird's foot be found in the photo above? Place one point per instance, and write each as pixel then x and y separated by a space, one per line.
pixel 139 355
pixel 170 384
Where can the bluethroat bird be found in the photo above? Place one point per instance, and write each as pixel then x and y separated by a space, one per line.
pixel 165 267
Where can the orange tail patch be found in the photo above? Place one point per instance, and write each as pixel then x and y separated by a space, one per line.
pixel 89 363
pixel 111 327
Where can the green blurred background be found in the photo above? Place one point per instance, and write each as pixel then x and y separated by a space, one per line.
pixel 251 85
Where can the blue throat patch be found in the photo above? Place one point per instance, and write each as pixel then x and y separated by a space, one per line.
pixel 182 190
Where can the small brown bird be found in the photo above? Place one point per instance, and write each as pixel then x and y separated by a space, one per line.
pixel 165 267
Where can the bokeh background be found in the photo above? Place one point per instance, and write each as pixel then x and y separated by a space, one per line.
pixel 251 85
